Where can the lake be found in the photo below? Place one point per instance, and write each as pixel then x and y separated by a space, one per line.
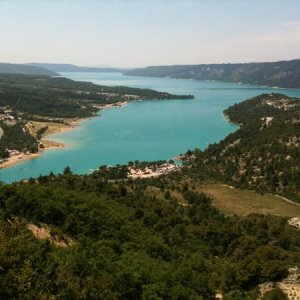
pixel 142 130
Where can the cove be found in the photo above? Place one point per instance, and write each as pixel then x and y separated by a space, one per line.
pixel 142 130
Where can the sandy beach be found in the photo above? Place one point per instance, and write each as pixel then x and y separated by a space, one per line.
pixel 17 159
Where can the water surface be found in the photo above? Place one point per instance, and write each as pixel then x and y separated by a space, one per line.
pixel 143 130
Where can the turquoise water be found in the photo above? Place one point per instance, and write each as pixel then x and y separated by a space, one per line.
pixel 143 130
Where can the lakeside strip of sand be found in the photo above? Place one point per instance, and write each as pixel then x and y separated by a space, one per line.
pixel 17 159
pixel 48 144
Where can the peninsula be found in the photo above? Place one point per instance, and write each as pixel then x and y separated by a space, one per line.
pixel 32 106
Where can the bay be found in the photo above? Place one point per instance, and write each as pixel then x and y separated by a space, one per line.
pixel 142 130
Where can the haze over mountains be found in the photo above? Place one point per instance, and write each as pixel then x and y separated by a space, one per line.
pixel 73 68
pixel 50 69
pixel 6 68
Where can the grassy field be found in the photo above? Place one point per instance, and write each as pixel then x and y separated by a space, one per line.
pixel 244 202
pixel 52 127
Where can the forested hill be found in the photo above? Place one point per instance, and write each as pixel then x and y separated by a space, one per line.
pixel 104 239
pixel 25 69
pixel 264 154
pixel 73 68
pixel 62 97
pixel 284 74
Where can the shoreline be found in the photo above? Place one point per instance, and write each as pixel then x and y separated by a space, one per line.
pixel 21 157
pixel 55 128
pixel 13 160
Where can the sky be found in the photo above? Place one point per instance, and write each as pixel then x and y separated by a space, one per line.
pixel 137 33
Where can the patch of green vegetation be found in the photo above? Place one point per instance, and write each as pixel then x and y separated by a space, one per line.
pixel 244 202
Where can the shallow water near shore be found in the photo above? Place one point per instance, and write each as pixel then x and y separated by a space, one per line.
pixel 142 130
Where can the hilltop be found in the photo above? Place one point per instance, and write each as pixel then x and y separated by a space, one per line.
pixel 73 68
pixel 25 69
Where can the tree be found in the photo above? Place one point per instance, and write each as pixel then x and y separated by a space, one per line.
pixel 67 170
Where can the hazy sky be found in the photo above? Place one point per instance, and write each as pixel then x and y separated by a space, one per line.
pixel 132 33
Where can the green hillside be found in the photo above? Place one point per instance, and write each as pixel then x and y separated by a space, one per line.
pixel 114 240
pixel 264 153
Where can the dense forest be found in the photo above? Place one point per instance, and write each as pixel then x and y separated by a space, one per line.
pixel 282 74
pixel 263 154
pixel 129 242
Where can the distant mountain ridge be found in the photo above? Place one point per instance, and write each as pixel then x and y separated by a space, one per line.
pixel 25 70
pixel 73 68
pixel 285 74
